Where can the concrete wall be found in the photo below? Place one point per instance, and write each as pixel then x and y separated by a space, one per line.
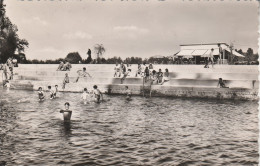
pixel 186 80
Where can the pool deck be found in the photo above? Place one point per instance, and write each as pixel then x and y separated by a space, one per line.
pixel 188 81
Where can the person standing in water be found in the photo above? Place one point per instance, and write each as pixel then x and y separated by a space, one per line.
pixel 66 113
pixel 65 81
pixel 97 94
pixel 85 95
pixel 128 93
pixel 41 94
pixel 55 91
pixel 51 92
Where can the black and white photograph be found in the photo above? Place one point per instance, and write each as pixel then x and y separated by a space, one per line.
pixel 129 82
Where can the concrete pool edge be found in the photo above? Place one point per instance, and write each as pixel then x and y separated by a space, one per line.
pixel 157 90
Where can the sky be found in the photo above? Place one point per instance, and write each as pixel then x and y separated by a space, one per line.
pixel 139 28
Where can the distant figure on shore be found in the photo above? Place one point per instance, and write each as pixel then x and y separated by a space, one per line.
pixel 65 81
pixel 128 93
pixel 55 91
pixel 82 73
pixel 97 94
pixel 85 96
pixel 10 64
pixel 61 66
pixel 51 92
pixel 143 67
pixel 89 59
pixel 117 70
pixel 211 57
pixel 166 77
pixel 221 83
pixel 41 94
pixel 5 71
pixel 66 113
pixel 220 52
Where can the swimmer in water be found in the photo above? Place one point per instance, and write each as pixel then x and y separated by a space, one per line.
pixel 51 92
pixel 41 94
pixel 85 95
pixel 66 113
pixel 128 93
pixel 7 84
pixel 97 94
pixel 55 91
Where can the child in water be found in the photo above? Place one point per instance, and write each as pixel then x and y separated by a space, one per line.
pixel 55 91
pixel 128 93
pixel 41 94
pixel 66 113
pixel 85 95
pixel 221 83
pixel 97 94
pixel 7 84
pixel 51 92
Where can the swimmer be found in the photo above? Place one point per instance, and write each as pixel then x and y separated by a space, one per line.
pixel 51 92
pixel 125 75
pixel 55 91
pixel 85 95
pixel 221 83
pixel 41 94
pixel 128 93
pixel 7 84
pixel 97 94
pixel 66 113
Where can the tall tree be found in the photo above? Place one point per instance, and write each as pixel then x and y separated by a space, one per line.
pixel 9 39
pixel 100 50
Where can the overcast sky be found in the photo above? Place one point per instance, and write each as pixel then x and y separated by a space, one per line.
pixel 127 28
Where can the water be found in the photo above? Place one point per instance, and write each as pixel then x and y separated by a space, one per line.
pixel 144 131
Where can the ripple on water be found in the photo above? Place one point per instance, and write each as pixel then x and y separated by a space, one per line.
pixel 144 131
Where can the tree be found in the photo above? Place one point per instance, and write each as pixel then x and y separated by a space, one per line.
pixel 99 49
pixel 9 39
pixel 73 57
pixel 249 54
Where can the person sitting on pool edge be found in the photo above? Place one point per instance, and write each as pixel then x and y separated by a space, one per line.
pixel 221 83
pixel 41 94
pixel 66 113
pixel 97 94
pixel 51 92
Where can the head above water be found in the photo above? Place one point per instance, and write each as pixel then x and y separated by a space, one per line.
pixel 66 74
pixel 67 105
pixel 166 70
pixel 212 49
pixel 40 88
pixel 126 87
pixel 160 70
pixel 95 86
pixel 84 69
pixel 49 87
pixel 85 89
pixel 56 86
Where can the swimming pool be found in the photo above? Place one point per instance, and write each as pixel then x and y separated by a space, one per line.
pixel 144 131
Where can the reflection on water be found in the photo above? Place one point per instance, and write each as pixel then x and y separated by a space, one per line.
pixel 144 131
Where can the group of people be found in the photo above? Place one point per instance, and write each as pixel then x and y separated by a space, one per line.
pixel 145 71
pixel 8 69
pixel 64 66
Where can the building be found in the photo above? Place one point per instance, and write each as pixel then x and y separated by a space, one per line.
pixel 197 53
